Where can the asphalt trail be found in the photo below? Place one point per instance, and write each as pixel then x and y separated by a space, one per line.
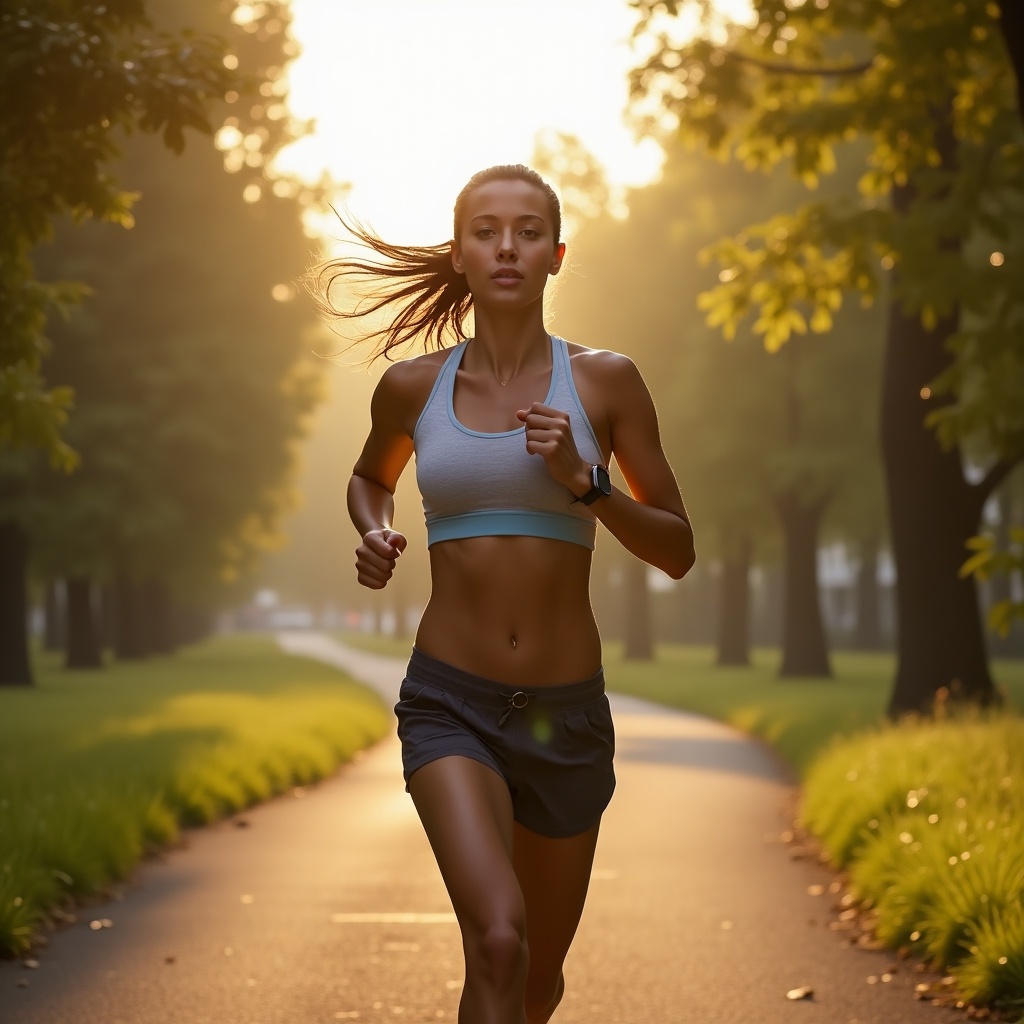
pixel 326 905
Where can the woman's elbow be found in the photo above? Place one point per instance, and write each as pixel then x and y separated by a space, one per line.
pixel 684 559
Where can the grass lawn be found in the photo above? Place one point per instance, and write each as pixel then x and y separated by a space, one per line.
pixel 798 717
pixel 98 768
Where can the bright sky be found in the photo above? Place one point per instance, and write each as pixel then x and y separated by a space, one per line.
pixel 411 97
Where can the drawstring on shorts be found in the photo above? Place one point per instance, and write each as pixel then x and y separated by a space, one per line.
pixel 519 699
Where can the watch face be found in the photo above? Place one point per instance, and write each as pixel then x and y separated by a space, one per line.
pixel 602 480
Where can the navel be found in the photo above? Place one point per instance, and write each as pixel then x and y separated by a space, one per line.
pixel 513 639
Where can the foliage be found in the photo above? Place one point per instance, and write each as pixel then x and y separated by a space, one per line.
pixel 93 778
pixel 925 816
pixel 988 560
pixel 73 77
pixel 743 430
pixel 190 360
pixel 930 90
pixel 562 159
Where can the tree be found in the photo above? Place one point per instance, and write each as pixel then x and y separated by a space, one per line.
pixel 998 557
pixel 755 440
pixel 70 80
pixel 191 365
pixel 928 89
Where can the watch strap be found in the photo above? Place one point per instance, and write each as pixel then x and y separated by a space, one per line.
pixel 595 491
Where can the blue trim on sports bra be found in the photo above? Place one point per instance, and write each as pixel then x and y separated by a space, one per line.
pixel 512 522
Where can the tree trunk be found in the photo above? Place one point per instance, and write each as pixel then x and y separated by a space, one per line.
pixel 932 513
pixel 132 638
pixel 83 649
pixel 1011 21
pixel 54 617
pixel 15 668
pixel 734 607
pixel 868 635
pixel 639 641
pixel 158 610
pixel 108 616
pixel 804 650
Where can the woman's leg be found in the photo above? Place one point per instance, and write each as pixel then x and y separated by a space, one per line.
pixel 467 814
pixel 554 875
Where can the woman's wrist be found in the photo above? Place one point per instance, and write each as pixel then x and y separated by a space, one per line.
pixel 581 481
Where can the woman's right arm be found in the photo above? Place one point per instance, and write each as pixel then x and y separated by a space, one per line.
pixel 371 489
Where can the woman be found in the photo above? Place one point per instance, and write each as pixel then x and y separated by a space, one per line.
pixel 506 735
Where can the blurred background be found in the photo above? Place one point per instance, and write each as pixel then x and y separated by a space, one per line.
pixel 197 480
pixel 804 221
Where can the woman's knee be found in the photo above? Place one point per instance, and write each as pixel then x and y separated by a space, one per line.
pixel 498 951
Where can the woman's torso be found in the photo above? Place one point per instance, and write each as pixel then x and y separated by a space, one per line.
pixel 515 609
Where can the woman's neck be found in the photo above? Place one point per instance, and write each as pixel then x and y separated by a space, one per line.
pixel 507 347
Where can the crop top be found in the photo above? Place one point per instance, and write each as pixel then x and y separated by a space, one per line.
pixel 477 484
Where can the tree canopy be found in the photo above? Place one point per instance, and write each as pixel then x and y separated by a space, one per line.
pixel 928 92
pixel 74 79
pixel 915 82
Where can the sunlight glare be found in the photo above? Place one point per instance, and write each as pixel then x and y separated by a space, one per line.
pixel 411 97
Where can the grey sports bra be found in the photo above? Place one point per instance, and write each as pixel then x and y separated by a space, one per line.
pixel 477 484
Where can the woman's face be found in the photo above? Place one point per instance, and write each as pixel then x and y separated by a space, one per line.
pixel 506 246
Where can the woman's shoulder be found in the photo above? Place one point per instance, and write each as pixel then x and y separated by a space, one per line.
pixel 405 385
pixel 601 365
pixel 415 370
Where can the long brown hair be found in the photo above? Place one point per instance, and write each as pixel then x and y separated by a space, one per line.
pixel 430 298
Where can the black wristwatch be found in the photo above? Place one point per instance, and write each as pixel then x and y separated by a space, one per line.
pixel 601 486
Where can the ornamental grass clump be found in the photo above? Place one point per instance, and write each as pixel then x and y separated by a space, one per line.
pixel 927 817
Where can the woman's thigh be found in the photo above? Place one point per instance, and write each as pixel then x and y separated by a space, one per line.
pixel 466 812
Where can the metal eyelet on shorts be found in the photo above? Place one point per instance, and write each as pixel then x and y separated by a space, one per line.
pixel 519 699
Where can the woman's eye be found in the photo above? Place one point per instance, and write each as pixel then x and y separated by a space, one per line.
pixel 529 233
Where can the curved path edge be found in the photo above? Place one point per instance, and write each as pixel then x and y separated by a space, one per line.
pixel 325 905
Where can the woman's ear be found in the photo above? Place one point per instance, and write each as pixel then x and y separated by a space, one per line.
pixel 456 256
pixel 556 259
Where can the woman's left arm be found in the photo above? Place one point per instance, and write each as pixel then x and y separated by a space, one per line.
pixel 651 520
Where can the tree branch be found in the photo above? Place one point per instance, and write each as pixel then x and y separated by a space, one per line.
pixel 793 69
pixel 991 480
pixel 1011 21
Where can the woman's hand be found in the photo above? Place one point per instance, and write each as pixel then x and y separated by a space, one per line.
pixel 549 435
pixel 376 557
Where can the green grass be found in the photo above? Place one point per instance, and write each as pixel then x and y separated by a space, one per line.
pixel 927 818
pixel 99 768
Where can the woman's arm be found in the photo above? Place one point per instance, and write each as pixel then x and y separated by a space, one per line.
pixel 651 520
pixel 371 489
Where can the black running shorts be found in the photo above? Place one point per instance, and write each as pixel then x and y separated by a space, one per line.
pixel 553 745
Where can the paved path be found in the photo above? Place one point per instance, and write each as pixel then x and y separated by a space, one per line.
pixel 328 907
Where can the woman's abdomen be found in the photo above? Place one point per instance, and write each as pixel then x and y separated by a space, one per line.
pixel 513 609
